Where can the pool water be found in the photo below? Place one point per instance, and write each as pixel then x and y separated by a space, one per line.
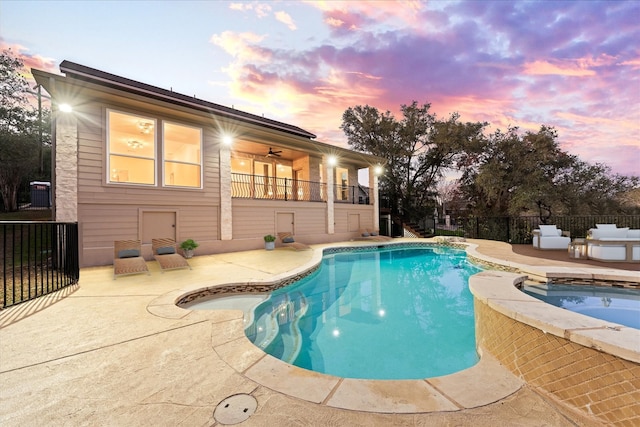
pixel 383 313
pixel 617 305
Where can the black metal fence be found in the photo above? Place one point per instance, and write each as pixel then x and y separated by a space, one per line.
pixel 519 230
pixel 37 258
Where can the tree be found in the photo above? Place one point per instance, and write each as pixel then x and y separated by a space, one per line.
pixel 514 174
pixel 20 142
pixel 418 149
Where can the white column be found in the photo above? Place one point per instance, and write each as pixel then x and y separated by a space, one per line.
pixel 226 209
pixel 373 196
pixel 331 217
pixel 66 167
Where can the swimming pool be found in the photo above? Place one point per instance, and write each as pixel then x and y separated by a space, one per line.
pixel 617 305
pixel 374 313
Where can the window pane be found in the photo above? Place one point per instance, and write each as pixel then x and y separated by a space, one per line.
pixel 131 145
pixel 131 170
pixel 182 143
pixel 181 174
pixel 182 155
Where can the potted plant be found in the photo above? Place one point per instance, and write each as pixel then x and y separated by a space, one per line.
pixel 188 246
pixel 269 242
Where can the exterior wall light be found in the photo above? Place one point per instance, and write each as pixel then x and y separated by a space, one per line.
pixel 332 161
pixel 65 108
pixel 226 140
pixel 378 170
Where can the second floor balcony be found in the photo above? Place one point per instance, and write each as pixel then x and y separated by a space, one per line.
pixel 244 186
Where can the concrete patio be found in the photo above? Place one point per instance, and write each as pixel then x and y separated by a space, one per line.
pixel 119 353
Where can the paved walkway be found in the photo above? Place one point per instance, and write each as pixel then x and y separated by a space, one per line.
pixel 106 352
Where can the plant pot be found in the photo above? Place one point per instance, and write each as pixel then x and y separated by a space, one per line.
pixel 269 245
pixel 188 253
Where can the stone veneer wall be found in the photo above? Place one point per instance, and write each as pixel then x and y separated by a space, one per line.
pixel 596 383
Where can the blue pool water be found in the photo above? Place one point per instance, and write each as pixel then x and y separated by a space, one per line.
pixel 383 313
pixel 617 305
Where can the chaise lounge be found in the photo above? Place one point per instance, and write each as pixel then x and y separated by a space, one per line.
pixel 165 252
pixel 127 258
pixel 550 237
pixel 289 241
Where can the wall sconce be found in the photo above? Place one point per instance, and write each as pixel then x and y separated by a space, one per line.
pixel 226 140
pixel 332 161
pixel 65 108
pixel 378 170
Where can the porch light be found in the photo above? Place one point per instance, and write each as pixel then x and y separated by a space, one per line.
pixel 332 161
pixel 226 140
pixel 378 170
pixel 65 108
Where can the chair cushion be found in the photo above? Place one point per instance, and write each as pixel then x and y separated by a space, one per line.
pixel 165 250
pixel 288 239
pixel 374 233
pixel 365 234
pixel 128 253
pixel 548 230
pixel 606 226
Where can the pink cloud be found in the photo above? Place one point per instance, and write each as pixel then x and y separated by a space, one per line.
pixel 286 19
pixel 488 61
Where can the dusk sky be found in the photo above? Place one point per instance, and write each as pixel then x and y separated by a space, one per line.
pixel 574 65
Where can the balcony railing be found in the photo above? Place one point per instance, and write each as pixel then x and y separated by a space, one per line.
pixel 244 186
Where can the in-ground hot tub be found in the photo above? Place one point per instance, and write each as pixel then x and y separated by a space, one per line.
pixel 588 364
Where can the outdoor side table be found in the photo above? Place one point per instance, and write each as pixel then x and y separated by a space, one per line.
pixel 578 249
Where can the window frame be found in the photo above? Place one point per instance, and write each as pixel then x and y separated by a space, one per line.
pixel 109 152
pixel 163 177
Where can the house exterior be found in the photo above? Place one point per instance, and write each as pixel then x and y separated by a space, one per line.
pixel 134 161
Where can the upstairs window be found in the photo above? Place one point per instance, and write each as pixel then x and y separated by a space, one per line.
pixel 182 147
pixel 132 148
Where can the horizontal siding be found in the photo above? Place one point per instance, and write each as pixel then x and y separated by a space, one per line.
pixel 255 218
pixel 102 224
pixel 342 212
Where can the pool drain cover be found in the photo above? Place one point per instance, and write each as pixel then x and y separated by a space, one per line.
pixel 235 409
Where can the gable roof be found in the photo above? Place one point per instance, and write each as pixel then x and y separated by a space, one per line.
pixel 102 78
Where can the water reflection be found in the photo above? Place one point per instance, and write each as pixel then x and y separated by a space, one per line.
pixel 618 305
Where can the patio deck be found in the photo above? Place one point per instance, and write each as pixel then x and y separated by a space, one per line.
pixel 108 352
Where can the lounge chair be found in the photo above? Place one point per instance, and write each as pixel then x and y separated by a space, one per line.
pixel 165 251
pixel 550 237
pixel 365 234
pixel 288 240
pixel 127 258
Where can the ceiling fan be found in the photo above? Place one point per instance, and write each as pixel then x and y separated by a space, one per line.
pixel 272 153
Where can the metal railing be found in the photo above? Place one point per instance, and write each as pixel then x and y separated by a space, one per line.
pixel 38 257
pixel 244 186
pixel 519 230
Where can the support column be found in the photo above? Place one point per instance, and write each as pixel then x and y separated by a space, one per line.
pixel 226 209
pixel 331 215
pixel 373 197
pixel 65 176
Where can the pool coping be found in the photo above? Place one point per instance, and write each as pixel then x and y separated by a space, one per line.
pixel 484 383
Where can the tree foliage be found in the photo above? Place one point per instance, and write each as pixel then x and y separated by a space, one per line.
pixel 506 173
pixel 20 131
pixel 418 149
pixel 513 174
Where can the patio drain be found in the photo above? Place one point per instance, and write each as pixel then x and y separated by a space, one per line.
pixel 235 409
